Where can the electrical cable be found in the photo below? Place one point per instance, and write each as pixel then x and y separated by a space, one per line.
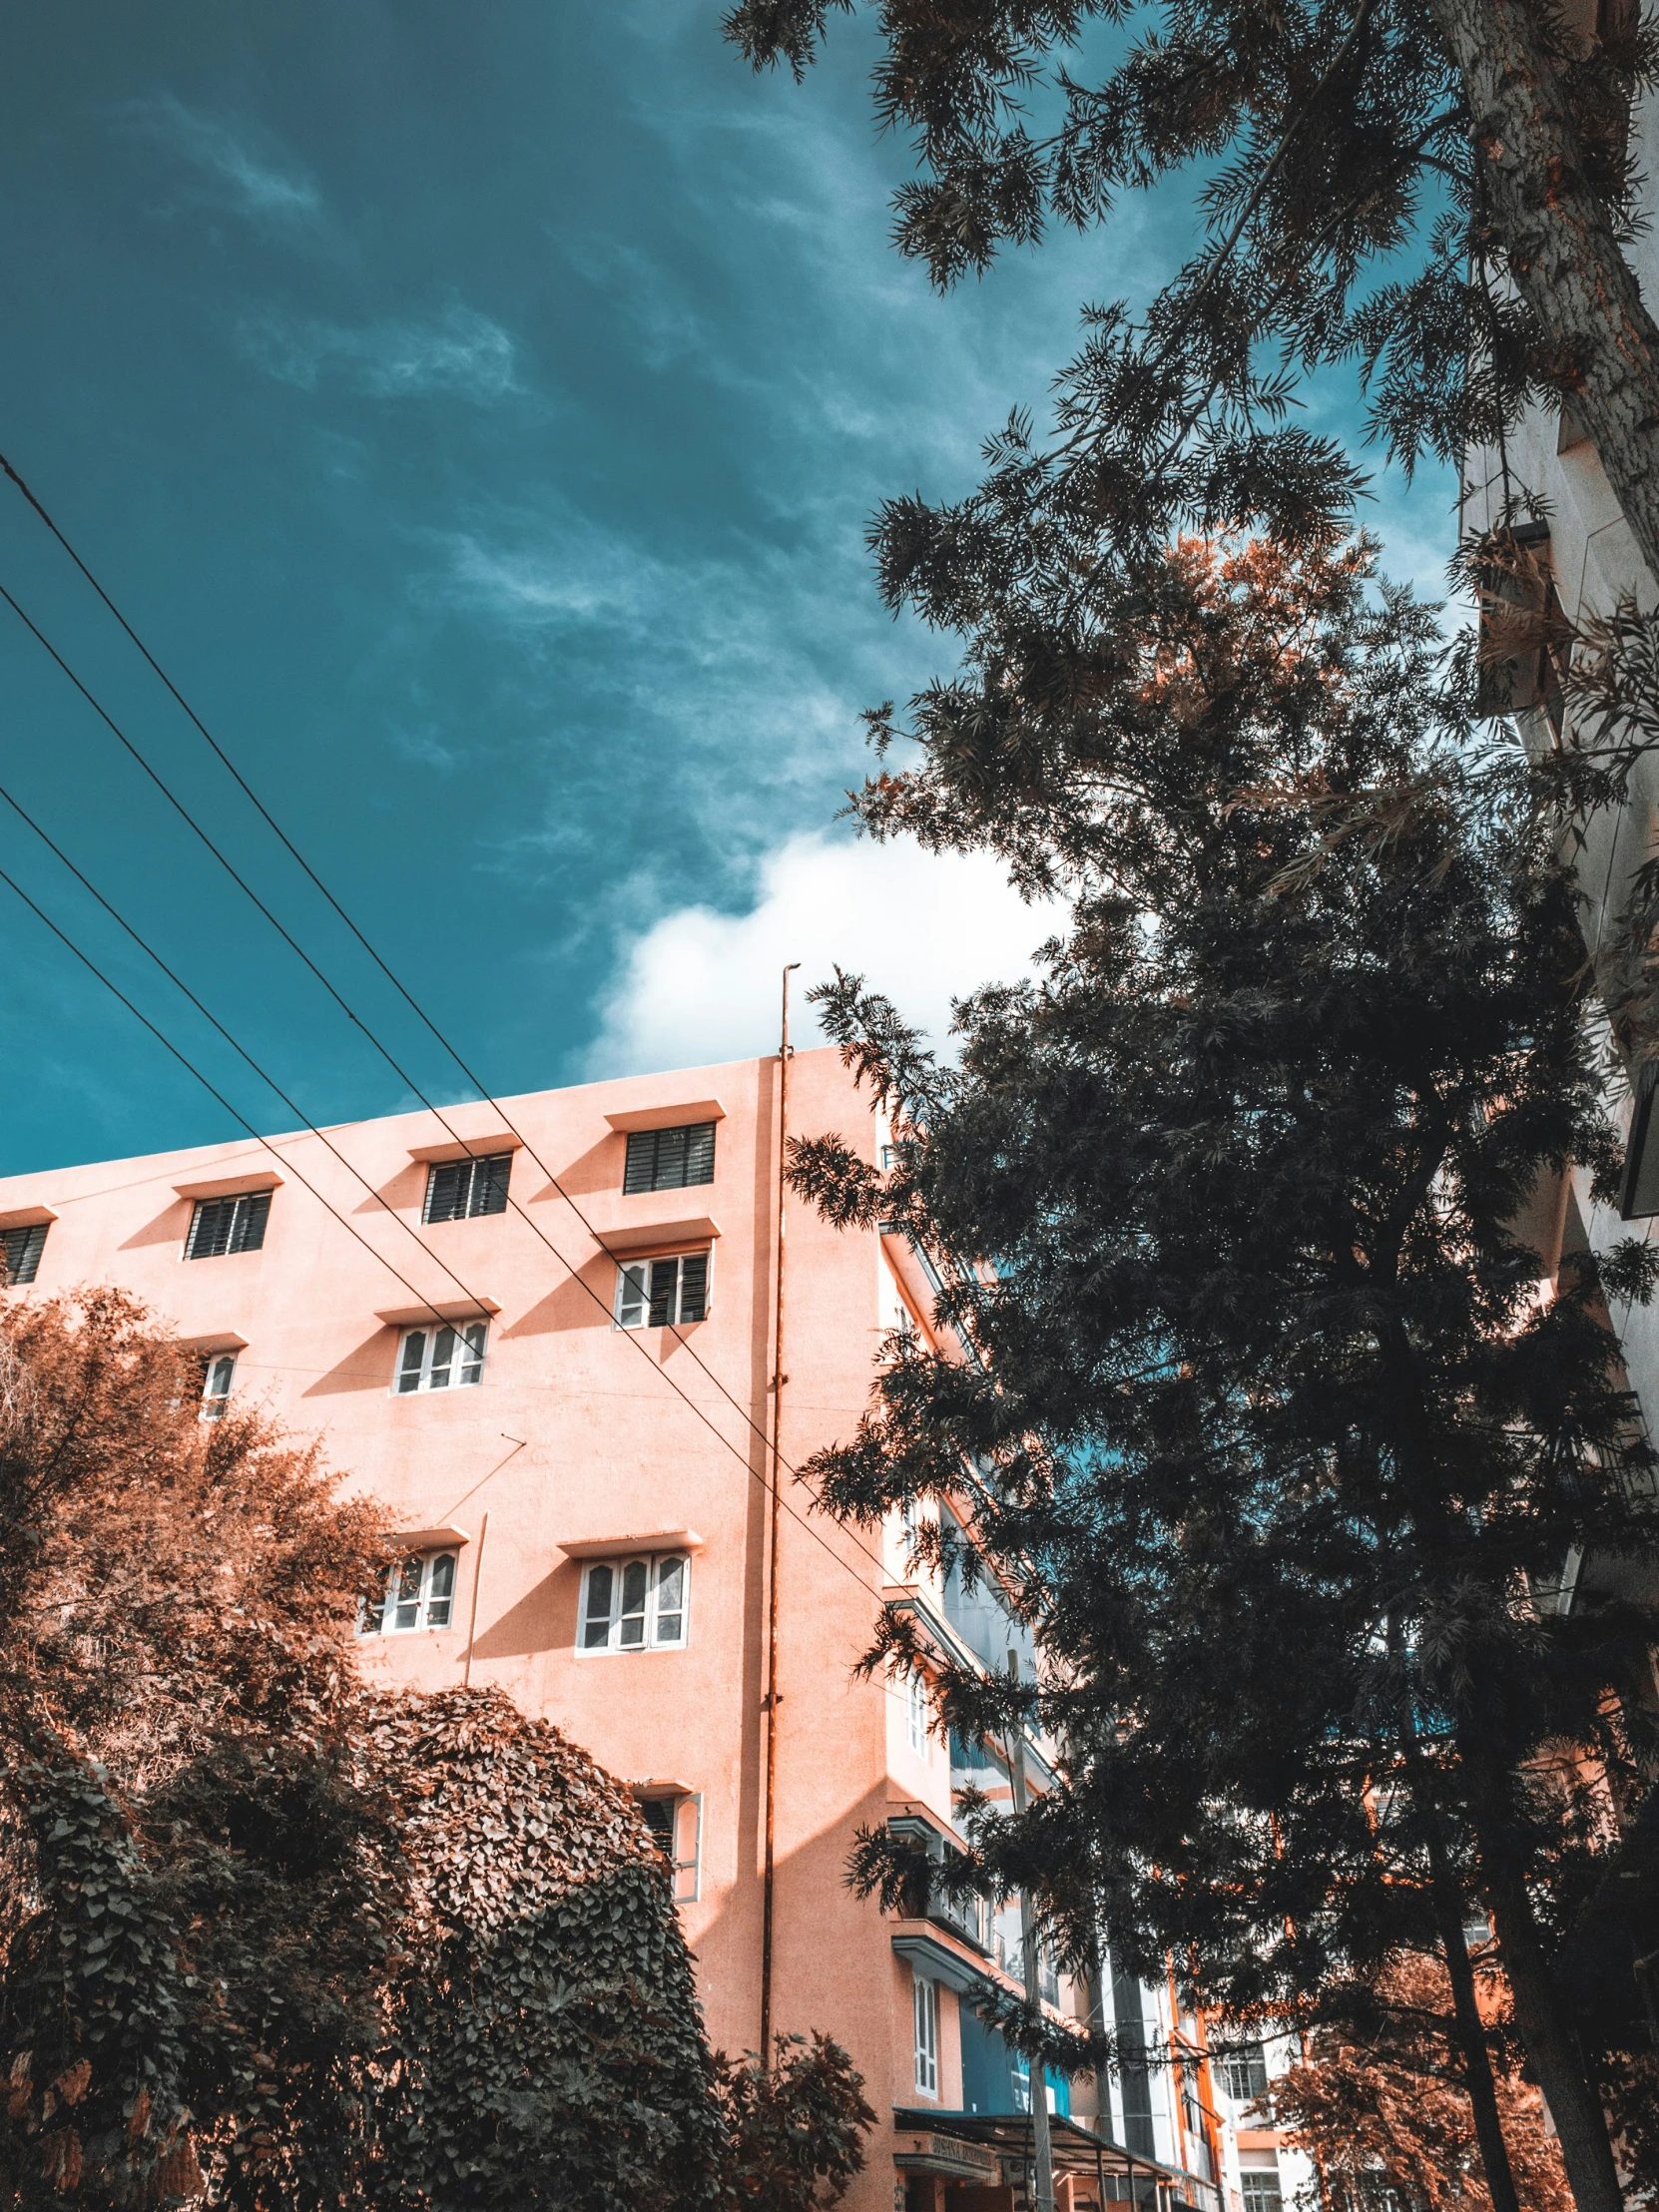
pixel 165 1042
pixel 238 1118
pixel 241 1051
pixel 402 1073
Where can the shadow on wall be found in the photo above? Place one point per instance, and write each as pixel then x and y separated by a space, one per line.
pixel 366 1368
pixel 167 1227
pixel 408 1188
pixel 570 1306
pixel 597 1168
pixel 543 1619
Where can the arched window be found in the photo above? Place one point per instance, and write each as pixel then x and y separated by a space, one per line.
pixel 637 1604
pixel 420 1593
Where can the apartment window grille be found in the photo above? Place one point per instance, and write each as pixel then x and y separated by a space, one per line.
pixel 1199 2146
pixel 21 1249
pixel 1261 2190
pixel 638 1604
pixel 1048 1977
pixel 217 1375
pixel 1640 1196
pixel 420 1593
pixel 675 1824
pixel 221 1226
pixel 662 1294
pixel 1244 2073
pixel 927 1996
pixel 461 1190
pixel 441 1357
pixel 669 1159
pixel 917 1713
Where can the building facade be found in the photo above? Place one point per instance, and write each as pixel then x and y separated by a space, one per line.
pixel 543 1334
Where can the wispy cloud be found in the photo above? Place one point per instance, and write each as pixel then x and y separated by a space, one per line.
pixel 247 169
pixel 726 688
pixel 460 352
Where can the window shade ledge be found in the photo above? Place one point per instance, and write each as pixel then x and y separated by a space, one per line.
pixel 616 1547
pixel 668 1117
pixel 446 1309
pixel 231 1186
pixel 469 1148
pixel 640 1238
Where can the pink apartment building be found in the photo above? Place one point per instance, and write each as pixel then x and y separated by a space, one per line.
pixel 543 1334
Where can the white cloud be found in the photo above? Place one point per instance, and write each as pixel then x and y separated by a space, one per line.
pixel 926 929
pixel 250 175
pixel 462 352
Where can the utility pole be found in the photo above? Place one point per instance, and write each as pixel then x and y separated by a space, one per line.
pixel 1042 2148
pixel 774 1506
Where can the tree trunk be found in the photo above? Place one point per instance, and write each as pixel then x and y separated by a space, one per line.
pixel 1556 230
pixel 1580 2125
pixel 1450 1909
pixel 1472 2030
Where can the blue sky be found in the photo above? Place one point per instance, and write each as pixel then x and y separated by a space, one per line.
pixel 477 412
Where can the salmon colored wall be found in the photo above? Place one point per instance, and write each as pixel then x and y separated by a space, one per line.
pixel 570 1436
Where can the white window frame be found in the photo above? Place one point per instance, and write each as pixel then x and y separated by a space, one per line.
pixel 1273 2192
pixel 925 1995
pixel 415 1595
pixel 219 1373
pixel 633 1288
pixel 432 1333
pixel 919 1714
pixel 647 1615
pixel 686 1858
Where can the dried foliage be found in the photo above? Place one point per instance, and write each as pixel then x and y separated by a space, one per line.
pixel 1385 2118
pixel 269 1941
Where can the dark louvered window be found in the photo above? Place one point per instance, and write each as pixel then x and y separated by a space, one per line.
pixel 22 1249
pixel 457 1190
pixel 661 1293
pixel 1639 1200
pixel 669 1159
pixel 222 1225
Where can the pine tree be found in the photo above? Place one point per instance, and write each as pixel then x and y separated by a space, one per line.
pixel 1282 1441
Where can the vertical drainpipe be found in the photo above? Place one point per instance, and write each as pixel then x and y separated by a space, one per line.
pixel 775 1506
pixel 477 1578
pixel 1037 2074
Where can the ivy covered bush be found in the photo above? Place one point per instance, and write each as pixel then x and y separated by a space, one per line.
pixel 269 1939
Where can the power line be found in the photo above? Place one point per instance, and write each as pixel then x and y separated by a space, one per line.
pixel 165 1042
pixel 240 1119
pixel 241 1050
pixel 401 1072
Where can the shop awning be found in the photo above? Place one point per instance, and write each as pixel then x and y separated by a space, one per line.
pixel 1077 2149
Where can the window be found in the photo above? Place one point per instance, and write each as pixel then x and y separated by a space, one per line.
pixel 675 1824
pixel 216 1384
pixel 436 1359
pixel 222 1225
pixel 1640 1197
pixel 636 1604
pixel 1244 2073
pixel 460 1190
pixel 419 1594
pixel 928 2035
pixel 661 1293
pixel 917 1713
pixel 1262 2192
pixel 21 1248
pixel 669 1159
